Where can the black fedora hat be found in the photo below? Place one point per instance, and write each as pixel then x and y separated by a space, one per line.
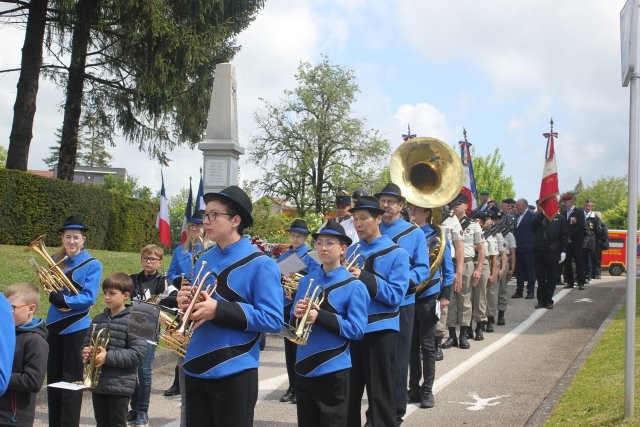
pixel 299 226
pixel 75 222
pixel 197 217
pixel 359 192
pixel 238 198
pixel 391 189
pixel 369 203
pixel 343 200
pixel 332 228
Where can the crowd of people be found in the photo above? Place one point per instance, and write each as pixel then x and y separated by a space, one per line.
pixel 378 286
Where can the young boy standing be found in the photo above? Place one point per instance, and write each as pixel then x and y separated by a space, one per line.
pixel 120 359
pixel 18 404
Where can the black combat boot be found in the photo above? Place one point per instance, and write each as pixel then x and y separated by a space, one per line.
pixel 501 317
pixel 470 331
pixel 489 327
pixel 452 341
pixel 439 354
pixel 479 335
pixel 464 344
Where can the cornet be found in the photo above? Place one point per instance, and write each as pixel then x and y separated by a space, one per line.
pixel 91 373
pixel 353 258
pixel 300 333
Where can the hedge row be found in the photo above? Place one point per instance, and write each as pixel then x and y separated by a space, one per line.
pixel 32 205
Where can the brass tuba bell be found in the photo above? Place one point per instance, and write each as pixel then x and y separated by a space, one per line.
pixel 428 172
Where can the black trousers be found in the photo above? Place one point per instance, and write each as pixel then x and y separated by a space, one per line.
pixel 64 364
pixel 423 344
pixel 290 361
pixel 525 271
pixel 597 262
pixel 548 273
pixel 373 361
pixel 222 402
pixel 588 263
pixel 322 401
pixel 574 256
pixel 110 410
pixel 403 349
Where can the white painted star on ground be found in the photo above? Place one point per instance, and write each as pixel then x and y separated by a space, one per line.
pixel 481 402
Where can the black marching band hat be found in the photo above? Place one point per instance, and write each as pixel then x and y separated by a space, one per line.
pixel 75 222
pixel 299 226
pixel 369 203
pixel 332 228
pixel 359 192
pixel 238 198
pixel 460 199
pixel 391 189
pixel 197 217
pixel 343 200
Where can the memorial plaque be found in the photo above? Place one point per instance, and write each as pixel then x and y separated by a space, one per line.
pixel 216 173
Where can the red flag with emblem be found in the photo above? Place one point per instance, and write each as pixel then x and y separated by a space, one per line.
pixel 162 221
pixel 548 199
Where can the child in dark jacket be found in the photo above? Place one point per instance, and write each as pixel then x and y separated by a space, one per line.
pixel 119 361
pixel 18 404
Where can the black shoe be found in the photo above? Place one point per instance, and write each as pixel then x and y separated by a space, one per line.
pixel 540 305
pixel 452 341
pixel 413 396
pixel 549 306
pixel 501 321
pixel 469 332
pixel 479 335
pixel 294 399
pixel 489 326
pixel 464 344
pixel 439 354
pixel 598 277
pixel 529 296
pixel 568 286
pixel 517 295
pixel 288 396
pixel 426 399
pixel 174 390
pixel 581 287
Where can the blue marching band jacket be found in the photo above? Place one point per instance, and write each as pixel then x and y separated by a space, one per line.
pixel 182 262
pixel 249 296
pixel 342 317
pixel 385 273
pixel 411 239
pixel 442 279
pixel 68 312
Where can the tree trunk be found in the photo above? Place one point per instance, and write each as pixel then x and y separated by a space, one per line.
pixel 86 13
pixel 24 108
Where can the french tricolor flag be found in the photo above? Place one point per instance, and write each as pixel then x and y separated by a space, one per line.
pixel 162 221
pixel 548 200
pixel 469 181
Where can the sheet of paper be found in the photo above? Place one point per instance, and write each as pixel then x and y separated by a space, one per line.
pixel 67 386
pixel 291 264
pixel 314 255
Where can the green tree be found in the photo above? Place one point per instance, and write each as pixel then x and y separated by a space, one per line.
pixel 606 192
pixel 177 205
pixel 3 156
pixel 97 131
pixel 489 174
pixel 126 187
pixel 616 216
pixel 312 144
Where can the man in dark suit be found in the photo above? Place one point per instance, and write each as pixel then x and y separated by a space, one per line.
pixel 525 260
pixel 550 252
pixel 577 230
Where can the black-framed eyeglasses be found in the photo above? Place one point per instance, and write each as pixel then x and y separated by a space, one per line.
pixel 145 259
pixel 213 215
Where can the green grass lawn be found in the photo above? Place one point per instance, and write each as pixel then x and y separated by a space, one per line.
pixel 596 395
pixel 15 267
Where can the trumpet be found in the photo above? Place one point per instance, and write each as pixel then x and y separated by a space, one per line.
pixel 177 337
pixel 353 258
pixel 300 333
pixel 290 284
pixel 52 279
pixel 91 372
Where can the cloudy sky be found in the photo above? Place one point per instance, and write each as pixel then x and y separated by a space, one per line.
pixel 499 68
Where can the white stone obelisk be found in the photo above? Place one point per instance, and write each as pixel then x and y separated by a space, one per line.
pixel 220 148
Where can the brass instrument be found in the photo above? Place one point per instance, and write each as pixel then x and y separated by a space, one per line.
pixel 52 279
pixel 300 333
pixel 429 174
pixel 290 284
pixel 176 336
pixel 91 373
pixel 353 258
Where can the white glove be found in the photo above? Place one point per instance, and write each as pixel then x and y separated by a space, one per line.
pixel 563 256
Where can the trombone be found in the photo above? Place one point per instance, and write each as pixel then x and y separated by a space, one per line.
pixel 91 372
pixel 300 333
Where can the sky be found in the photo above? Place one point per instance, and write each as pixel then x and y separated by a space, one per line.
pixel 501 69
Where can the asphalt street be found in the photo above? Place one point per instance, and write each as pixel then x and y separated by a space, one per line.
pixel 512 378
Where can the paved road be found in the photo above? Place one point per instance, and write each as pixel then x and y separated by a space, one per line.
pixel 511 378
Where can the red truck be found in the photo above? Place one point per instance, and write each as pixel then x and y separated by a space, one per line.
pixel 614 258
